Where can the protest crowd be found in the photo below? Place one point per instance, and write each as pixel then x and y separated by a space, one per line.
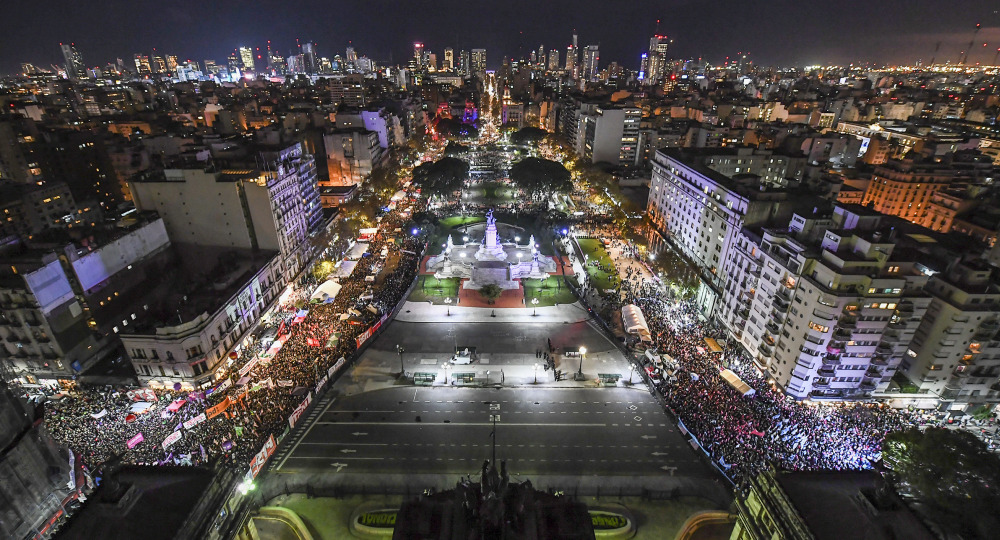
pixel 264 384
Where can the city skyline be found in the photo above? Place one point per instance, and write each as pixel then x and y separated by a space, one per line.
pixel 780 33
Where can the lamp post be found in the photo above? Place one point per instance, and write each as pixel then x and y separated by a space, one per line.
pixel 487 377
pixel 631 371
pixel 534 306
pixel 446 368
pixel 400 351
pixel 536 373
pixel 448 302
pixel 583 352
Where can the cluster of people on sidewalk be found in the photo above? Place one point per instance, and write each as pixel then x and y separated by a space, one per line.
pixel 233 422
pixel 746 433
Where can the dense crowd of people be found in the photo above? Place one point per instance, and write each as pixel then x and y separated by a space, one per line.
pixel 102 424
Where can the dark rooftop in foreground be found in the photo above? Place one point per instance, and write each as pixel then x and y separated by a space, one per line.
pixel 151 503
pixel 835 505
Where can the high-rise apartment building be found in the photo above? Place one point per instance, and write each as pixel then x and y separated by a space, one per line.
pixel 477 62
pixel 570 60
pixel 612 135
pixel 904 188
pixel 75 68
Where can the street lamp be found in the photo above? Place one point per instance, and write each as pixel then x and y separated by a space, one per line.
pixel 583 352
pixel 446 368
pixel 534 306
pixel 448 302
pixel 400 351
pixel 536 373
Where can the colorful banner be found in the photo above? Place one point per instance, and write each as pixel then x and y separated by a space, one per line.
pixel 249 365
pixel 223 386
pixel 368 333
pixel 171 439
pixel 299 410
pixel 195 421
pixel 267 383
pixel 258 461
pixel 212 412
pixel 134 441
pixel 322 383
pixel 285 382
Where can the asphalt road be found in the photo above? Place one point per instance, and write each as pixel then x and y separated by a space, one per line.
pixel 564 431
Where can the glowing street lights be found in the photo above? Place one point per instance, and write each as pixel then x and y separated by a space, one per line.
pixel 534 306
pixel 447 371
pixel 448 302
pixel 536 373
pixel 583 352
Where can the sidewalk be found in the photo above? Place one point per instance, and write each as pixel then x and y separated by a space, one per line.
pixel 427 312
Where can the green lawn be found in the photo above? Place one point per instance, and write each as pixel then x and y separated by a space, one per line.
pixel 434 290
pixel 549 293
pixel 594 250
pixel 455 221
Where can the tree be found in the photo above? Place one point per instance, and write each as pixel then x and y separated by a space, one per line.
pixel 528 135
pixel 441 178
pixel 490 292
pixel 950 475
pixel 452 128
pixel 540 178
pixel 455 149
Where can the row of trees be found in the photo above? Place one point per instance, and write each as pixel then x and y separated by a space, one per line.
pixel 539 178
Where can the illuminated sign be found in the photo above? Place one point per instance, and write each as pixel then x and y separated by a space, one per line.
pixel 609 522
pixel 381 519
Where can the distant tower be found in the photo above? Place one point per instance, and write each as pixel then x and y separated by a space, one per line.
pixel 418 56
pixel 478 62
pixel 75 68
pixel 449 59
pixel 246 58
pixel 591 59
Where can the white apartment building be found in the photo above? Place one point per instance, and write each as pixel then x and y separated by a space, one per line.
pixel 190 328
pixel 702 212
pixel 954 355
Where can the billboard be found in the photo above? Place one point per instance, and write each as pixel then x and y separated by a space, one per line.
pixel 50 286
pixel 97 266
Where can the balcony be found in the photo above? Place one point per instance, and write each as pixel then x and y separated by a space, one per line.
pixel 847 322
pixel 831 360
pixel 772 327
pixel 884 348
pixel 835 347
pixel 842 334
pixel 873 372
pixel 778 317
pixel 891 337
pixel 905 307
pixel 880 361
pixel 867 386
pixel 784 293
pixel 780 304
pixel 987 330
pixel 821 383
pixel 826 372
pixel 764 350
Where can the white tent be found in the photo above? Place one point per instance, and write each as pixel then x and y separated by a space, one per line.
pixel 635 322
pixel 345 269
pixel 736 382
pixel 326 291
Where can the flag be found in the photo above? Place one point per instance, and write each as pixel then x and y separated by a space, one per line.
pixel 239 431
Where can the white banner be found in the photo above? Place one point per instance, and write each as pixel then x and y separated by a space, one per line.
pixel 171 439
pixel 194 421
pixel 98 416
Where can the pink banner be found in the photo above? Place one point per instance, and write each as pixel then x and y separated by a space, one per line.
pixel 135 440
pixel 176 405
pixel 261 458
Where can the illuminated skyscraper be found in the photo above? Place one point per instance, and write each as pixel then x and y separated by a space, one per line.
pixel 417 62
pixel 158 64
pixel 477 62
pixel 541 55
pixel 554 60
pixel 591 58
pixel 463 63
pixel 352 55
pixel 655 64
pixel 246 58
pixel 449 59
pixel 309 60
pixel 142 66
pixel 171 62
pixel 74 61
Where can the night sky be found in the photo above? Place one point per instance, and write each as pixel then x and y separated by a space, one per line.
pixel 779 32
